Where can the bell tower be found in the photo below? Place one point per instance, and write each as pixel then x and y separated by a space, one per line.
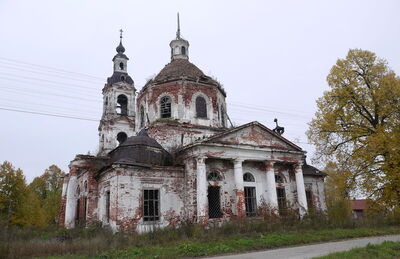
pixel 118 120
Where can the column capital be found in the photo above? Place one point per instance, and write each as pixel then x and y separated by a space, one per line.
pixel 298 166
pixel 269 164
pixel 238 160
pixel 201 159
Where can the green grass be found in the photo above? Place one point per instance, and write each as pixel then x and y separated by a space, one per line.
pixel 385 250
pixel 238 243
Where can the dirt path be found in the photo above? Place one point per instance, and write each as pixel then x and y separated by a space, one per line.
pixel 309 251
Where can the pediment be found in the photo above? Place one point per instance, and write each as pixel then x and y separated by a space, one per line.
pixel 253 134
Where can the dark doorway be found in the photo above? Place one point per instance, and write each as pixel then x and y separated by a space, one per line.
pixel 250 201
pixel 214 202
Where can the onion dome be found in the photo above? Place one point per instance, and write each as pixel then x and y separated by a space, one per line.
pixel 141 150
pixel 120 49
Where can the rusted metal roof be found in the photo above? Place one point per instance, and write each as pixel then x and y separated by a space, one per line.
pixel 358 204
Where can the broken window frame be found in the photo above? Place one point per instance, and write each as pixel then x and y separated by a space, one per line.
pixel 122 105
pixel 151 205
pixel 281 198
pixel 214 176
pixel 310 201
pixel 201 107
pixel 250 201
pixel 248 177
pixel 166 107
pixel 121 137
pixel 279 178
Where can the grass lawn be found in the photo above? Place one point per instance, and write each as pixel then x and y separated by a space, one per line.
pixel 236 244
pixel 385 250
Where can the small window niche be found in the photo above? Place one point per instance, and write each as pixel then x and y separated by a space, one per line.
pixel 122 105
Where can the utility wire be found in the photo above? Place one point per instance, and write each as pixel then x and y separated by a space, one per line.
pixel 48 114
pixel 50 68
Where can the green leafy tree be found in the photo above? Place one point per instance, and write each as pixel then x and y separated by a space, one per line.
pixel 357 125
pixel 47 188
pixel 12 192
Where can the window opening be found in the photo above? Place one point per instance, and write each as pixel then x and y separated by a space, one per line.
pixel 222 116
pixel 151 203
pixel 121 137
pixel 310 203
pixel 248 177
pixel 77 215
pixel 201 107
pixel 280 192
pixel 141 116
pixel 214 202
pixel 122 78
pixel 165 104
pixel 108 206
pixel 122 105
pixel 250 201
pixel 121 66
pixel 213 176
pixel 85 186
pixel 183 50
pixel 279 179
pixel 85 209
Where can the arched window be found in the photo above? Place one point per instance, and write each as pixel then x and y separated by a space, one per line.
pixel 279 179
pixel 248 177
pixel 213 176
pixel 121 65
pixel 201 107
pixel 121 137
pixel 141 116
pixel 183 50
pixel 222 116
pixel 122 104
pixel 165 105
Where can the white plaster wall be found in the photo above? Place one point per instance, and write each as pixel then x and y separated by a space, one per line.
pixel 317 189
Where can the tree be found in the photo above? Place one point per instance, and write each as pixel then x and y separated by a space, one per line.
pixel 48 189
pixel 12 191
pixel 357 125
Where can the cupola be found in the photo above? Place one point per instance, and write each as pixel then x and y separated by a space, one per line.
pixel 179 46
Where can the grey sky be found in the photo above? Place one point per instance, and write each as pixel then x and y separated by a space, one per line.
pixel 271 56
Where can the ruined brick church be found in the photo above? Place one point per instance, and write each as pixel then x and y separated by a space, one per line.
pixel 168 154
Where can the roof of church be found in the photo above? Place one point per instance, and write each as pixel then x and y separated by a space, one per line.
pixel 311 170
pixel 117 77
pixel 141 150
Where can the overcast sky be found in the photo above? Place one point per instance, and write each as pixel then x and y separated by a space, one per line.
pixel 272 58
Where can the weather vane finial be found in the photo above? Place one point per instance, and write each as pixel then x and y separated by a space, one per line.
pixel 120 33
pixel 178 32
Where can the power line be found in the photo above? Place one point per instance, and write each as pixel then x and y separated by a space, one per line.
pixel 50 68
pixel 48 114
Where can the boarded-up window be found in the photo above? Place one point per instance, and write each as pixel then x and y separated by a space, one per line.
pixel 214 202
pixel 151 203
pixel 250 201
pixel 165 105
pixel 201 107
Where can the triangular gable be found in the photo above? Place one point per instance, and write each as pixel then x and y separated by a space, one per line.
pixel 253 134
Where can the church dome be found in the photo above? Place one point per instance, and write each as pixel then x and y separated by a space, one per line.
pixel 141 150
pixel 182 68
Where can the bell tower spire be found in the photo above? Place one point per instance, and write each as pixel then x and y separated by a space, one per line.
pixel 179 46
pixel 118 119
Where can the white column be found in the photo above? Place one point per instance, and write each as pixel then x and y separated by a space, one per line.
pixel 301 190
pixel 202 202
pixel 271 197
pixel 70 207
pixel 239 189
